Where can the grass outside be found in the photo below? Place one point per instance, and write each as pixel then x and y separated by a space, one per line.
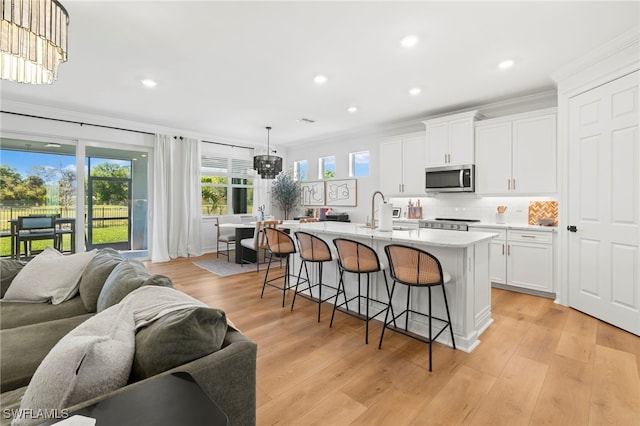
pixel 104 235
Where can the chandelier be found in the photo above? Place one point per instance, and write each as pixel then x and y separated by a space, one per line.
pixel 268 166
pixel 33 40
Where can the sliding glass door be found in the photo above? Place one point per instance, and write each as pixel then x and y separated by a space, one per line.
pixel 116 199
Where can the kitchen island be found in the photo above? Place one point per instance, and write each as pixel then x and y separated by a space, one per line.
pixel 464 255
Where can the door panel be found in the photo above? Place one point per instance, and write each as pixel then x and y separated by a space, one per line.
pixel 604 203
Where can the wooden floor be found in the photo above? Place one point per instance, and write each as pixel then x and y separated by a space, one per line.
pixel 538 363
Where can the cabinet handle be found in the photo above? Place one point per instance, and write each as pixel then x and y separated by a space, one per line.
pixel 508 249
pixel 399 187
pixel 403 187
pixel 508 183
pixel 503 249
pixel 514 184
pixel 528 236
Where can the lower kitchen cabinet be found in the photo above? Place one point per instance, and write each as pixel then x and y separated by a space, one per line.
pixel 521 258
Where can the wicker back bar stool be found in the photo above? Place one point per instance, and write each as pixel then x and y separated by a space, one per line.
pixel 413 267
pixel 360 259
pixel 316 251
pixel 279 244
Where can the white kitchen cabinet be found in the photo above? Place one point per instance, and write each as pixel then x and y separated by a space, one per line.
pixel 450 139
pixel 516 155
pixel 520 258
pixel 402 164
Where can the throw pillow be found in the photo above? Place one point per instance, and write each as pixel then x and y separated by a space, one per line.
pixel 49 276
pixel 9 268
pixel 95 275
pixel 91 360
pixel 177 338
pixel 127 276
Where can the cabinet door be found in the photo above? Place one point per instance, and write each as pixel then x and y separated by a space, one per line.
pixel 391 167
pixel 534 155
pixel 493 158
pixel 437 144
pixel 413 156
pixel 498 264
pixel 461 142
pixel 530 265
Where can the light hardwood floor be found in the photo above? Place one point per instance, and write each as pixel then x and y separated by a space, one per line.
pixel 538 363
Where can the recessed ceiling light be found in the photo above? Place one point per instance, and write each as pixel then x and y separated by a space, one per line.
pixel 415 91
pixel 320 79
pixel 147 82
pixel 506 64
pixel 134 159
pixel 352 109
pixel 409 41
pixel 53 145
pixel 143 155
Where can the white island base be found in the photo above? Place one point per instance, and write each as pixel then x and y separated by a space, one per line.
pixel 464 255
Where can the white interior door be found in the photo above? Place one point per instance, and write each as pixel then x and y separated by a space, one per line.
pixel 604 200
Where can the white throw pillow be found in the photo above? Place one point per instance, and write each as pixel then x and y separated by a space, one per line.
pixel 49 276
pixel 93 359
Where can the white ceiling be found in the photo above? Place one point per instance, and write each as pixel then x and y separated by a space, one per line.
pixel 225 70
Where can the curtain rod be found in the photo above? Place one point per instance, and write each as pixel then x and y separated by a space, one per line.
pixel 111 127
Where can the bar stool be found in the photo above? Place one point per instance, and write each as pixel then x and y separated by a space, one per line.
pixel 416 268
pixel 315 250
pixel 358 258
pixel 280 244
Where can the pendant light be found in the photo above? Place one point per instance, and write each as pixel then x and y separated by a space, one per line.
pixel 268 166
pixel 33 40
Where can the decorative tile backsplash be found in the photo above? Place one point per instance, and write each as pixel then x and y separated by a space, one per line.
pixel 543 210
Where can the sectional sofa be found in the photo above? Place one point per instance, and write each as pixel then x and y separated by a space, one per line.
pixel 194 339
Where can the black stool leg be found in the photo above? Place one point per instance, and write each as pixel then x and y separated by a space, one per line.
pixel 266 275
pixel 319 290
pixel 295 293
pixel 386 316
pixel 430 340
pixel 344 295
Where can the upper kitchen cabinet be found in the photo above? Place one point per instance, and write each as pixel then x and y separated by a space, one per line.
pixel 402 164
pixel 516 155
pixel 450 139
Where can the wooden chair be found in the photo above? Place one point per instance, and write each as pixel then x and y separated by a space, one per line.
pixel 360 259
pixel 416 268
pixel 316 251
pixel 279 244
pixel 258 243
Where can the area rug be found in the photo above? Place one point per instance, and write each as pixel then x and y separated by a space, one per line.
pixel 223 268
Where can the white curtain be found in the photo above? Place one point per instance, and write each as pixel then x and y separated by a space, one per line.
pixel 176 199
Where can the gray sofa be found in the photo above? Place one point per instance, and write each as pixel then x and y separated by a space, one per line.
pixel 28 331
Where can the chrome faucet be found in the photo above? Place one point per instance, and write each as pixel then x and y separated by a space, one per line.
pixel 373 208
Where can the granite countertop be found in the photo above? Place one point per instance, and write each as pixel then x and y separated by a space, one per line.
pixel 433 237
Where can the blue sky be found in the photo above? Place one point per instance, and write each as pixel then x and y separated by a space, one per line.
pixel 23 162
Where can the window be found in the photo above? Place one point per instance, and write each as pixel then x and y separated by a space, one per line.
pixel 31 182
pixel 300 170
pixel 227 187
pixel 327 167
pixel 359 164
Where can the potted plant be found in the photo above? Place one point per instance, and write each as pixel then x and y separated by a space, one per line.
pixel 285 192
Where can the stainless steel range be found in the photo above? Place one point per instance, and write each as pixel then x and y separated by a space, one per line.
pixel 447 223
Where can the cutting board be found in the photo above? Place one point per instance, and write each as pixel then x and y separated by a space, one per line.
pixel 541 210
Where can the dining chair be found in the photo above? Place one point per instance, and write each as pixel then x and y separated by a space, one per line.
pixel 225 235
pixel 257 243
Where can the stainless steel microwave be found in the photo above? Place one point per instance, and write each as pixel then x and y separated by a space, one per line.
pixel 450 179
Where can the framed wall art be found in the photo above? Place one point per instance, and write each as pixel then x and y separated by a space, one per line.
pixel 312 193
pixel 341 192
